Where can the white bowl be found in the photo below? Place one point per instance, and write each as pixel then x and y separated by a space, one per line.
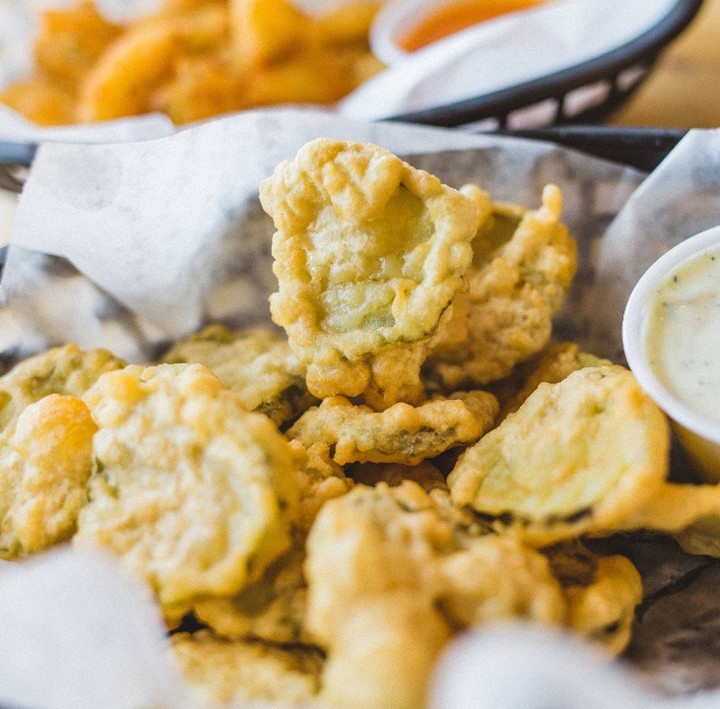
pixel 699 435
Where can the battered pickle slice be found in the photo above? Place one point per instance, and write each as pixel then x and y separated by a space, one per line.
pixel 402 434
pixel 222 672
pixel 369 253
pixel 193 492
pixel 523 264
pixel 45 463
pixel 602 593
pixel 584 455
pixel 273 608
pixel 46 435
pixel 257 363
pixel 552 364
pixel 66 370
pixel 406 575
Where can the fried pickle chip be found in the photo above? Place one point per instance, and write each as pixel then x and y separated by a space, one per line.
pixel 45 463
pixel 405 576
pixel 274 607
pixel 231 673
pixel 400 434
pixel 369 253
pixel 256 363
pixel 602 593
pixel 580 456
pixel 552 364
pixel 523 264
pixel 497 578
pixel 193 492
pixel 65 370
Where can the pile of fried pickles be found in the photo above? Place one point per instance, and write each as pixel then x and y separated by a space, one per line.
pixel 192 59
pixel 320 506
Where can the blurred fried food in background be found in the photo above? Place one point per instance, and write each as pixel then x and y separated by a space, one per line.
pixel 193 59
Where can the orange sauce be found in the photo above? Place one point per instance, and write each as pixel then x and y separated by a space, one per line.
pixel 458 16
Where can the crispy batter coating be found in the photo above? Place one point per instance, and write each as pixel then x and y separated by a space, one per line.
pixel 523 264
pixel 59 370
pixel 402 434
pixel 496 578
pixel 404 577
pixel 257 363
pixel 602 593
pixel 274 607
pixel 701 536
pixel 193 492
pixel 45 463
pixel 552 364
pixel 231 673
pixel 369 253
pixel 579 456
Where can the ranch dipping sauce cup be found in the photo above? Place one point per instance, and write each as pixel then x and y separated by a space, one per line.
pixel 671 338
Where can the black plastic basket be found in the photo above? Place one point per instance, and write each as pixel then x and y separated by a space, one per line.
pixel 583 94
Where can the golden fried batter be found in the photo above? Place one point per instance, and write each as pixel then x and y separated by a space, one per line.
pixel 602 593
pixel 369 253
pixel 193 492
pixel 256 363
pixel 523 264
pixel 496 578
pixel 404 578
pixel 60 370
pixel 402 434
pixel 225 672
pixel 552 364
pixel 579 456
pixel 271 609
pixel 45 463
pixel 274 607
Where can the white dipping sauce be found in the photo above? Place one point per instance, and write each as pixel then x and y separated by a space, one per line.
pixel 682 339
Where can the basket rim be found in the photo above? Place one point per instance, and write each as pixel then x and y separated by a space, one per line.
pixel 642 49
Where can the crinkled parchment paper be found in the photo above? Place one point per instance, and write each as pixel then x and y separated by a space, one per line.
pixel 131 245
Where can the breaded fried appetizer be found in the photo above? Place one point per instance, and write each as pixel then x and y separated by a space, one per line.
pixel 404 578
pixel 369 253
pixel 46 435
pixel 45 463
pixel 65 370
pixel 257 363
pixel 222 672
pixel 193 492
pixel 602 593
pixel 552 364
pixel 402 434
pixel 523 264
pixel 273 608
pixel 580 456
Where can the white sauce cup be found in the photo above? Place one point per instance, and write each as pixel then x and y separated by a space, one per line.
pixel 699 436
